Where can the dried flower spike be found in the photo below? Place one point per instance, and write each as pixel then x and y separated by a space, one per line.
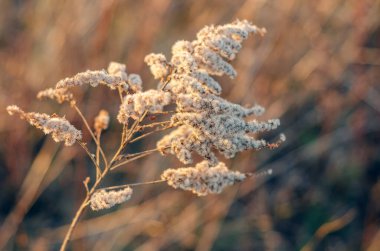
pixel 59 95
pixel 93 78
pixel 104 199
pixel 209 122
pixel 202 179
pixel 158 64
pixel 118 70
pixel 59 128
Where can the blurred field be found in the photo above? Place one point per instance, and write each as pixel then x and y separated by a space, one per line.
pixel 317 69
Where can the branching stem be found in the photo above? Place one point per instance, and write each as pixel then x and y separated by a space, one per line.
pixel 134 157
pixel 108 165
pixel 90 131
pixel 133 185
pixel 83 145
pixel 161 123
pixel 149 133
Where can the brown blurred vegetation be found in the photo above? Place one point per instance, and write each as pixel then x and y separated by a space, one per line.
pixel 317 69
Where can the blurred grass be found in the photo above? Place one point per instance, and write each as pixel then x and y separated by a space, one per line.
pixel 317 69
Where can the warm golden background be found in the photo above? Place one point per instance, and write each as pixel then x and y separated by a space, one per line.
pixel 317 69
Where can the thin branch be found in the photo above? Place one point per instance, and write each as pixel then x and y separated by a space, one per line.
pixel 132 130
pixel 74 222
pixel 149 133
pixel 132 185
pixel 107 168
pixel 90 131
pixel 154 124
pixel 83 145
pixel 124 126
pixel 260 173
pixel 134 157
pixel 120 94
pixel 98 135
pixel 123 143
pixel 135 127
pixel 84 204
pixel 165 112
pixel 85 183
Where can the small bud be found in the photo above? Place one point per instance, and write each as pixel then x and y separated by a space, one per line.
pixel 101 121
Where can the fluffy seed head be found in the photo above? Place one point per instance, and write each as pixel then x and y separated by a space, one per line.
pixel 93 78
pixel 60 95
pixel 104 199
pixel 206 121
pixel 14 109
pixel 202 179
pixel 101 121
pixel 158 64
pixel 59 128
pixel 118 70
pixel 182 46
pixel 135 82
pixel 135 105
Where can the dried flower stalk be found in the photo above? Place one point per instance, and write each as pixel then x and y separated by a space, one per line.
pixel 203 121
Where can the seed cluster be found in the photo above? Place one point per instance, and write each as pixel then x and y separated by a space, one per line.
pixel 60 95
pixel 104 199
pixel 59 128
pixel 206 121
pixel 135 105
pixel 202 179
pixel 101 121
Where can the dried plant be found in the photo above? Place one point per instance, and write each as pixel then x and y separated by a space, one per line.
pixel 203 122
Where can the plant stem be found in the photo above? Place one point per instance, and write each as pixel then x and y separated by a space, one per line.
pixel 98 135
pixel 154 124
pixel 81 209
pixel 124 126
pixel 108 166
pixel 74 222
pixel 132 130
pixel 90 155
pixel 135 157
pixel 149 133
pixel 133 185
pixel 90 131
pixel 128 137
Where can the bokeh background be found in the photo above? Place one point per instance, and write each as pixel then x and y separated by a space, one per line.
pixel 317 69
